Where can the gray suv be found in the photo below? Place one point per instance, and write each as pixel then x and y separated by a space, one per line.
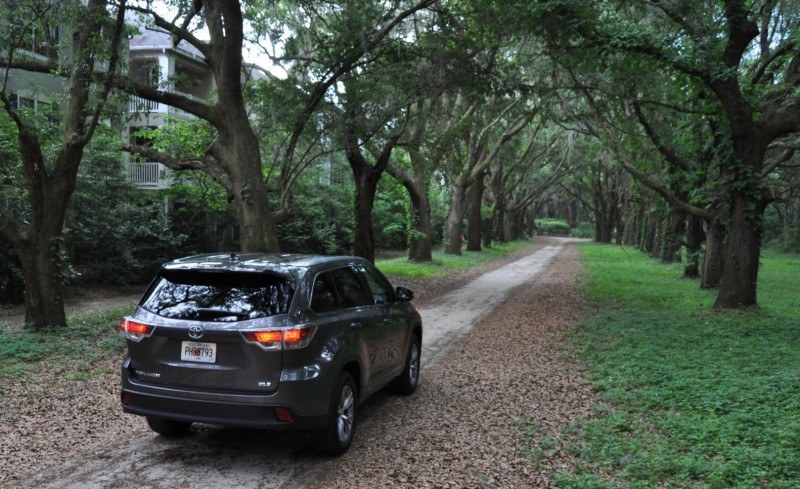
pixel 268 341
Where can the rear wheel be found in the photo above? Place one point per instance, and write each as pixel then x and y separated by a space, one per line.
pixel 168 427
pixel 407 382
pixel 335 438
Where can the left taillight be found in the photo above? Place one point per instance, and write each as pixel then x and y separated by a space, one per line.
pixel 134 330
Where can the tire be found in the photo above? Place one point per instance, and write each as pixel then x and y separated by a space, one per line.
pixel 335 438
pixel 168 427
pixel 408 380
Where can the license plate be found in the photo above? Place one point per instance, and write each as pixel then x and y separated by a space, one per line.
pixel 193 351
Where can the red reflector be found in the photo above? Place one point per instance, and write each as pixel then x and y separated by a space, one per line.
pixel 126 398
pixel 282 414
pixel 265 336
pixel 295 335
pixel 138 328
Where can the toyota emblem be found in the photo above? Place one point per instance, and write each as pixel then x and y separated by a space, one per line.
pixel 195 332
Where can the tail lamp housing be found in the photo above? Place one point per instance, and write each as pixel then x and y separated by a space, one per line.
pixel 289 338
pixel 134 330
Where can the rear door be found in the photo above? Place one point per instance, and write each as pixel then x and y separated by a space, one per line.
pixel 393 319
pixel 367 320
pixel 199 320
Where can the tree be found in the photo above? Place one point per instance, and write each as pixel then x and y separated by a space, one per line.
pixel 491 129
pixel 50 167
pixel 233 157
pixel 745 55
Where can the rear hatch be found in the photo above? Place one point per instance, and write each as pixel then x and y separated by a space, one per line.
pixel 199 320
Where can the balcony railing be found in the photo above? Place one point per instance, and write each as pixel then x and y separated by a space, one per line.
pixel 139 104
pixel 150 175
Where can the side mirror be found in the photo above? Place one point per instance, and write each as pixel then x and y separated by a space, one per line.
pixel 404 294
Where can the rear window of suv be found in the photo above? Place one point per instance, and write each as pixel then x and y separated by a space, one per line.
pixel 217 296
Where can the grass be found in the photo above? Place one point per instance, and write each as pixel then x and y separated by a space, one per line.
pixel 688 397
pixel 74 350
pixel 444 265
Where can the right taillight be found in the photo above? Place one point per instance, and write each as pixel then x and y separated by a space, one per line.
pixel 291 338
pixel 134 330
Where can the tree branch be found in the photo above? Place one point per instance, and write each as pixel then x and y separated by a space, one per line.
pixel 204 164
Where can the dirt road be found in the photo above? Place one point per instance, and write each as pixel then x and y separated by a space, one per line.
pixel 391 445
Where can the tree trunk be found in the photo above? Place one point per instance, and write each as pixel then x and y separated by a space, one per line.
pixel 475 196
pixel 737 286
pixel 420 245
pixel 239 154
pixel 607 227
pixel 364 240
pixel 366 177
pixel 496 230
pixel 455 221
pixel 649 236
pixel 713 259
pixel 44 294
pixel 486 231
pixel 499 220
pixel 674 236
pixel 530 224
pixel 640 222
pixel 599 226
pixel 694 240
pixel 419 220
pixel 515 224
pixel 658 238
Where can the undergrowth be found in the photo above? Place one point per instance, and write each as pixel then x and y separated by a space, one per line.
pixel 688 397
pixel 73 350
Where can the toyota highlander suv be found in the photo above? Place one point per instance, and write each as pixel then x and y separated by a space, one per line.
pixel 268 341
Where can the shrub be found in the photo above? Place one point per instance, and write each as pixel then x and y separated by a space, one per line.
pixel 552 227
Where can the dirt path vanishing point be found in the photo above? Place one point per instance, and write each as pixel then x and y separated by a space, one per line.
pixel 480 393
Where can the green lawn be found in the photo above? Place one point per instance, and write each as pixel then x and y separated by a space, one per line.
pixel 688 397
pixel 444 265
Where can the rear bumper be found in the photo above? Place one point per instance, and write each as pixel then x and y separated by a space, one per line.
pixel 228 409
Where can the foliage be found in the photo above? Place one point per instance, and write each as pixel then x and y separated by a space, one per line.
pixel 322 221
pixel 179 138
pixel 582 230
pixel 72 351
pixel 780 236
pixel 12 283
pixel 390 214
pixel 444 265
pixel 554 227
pixel 126 238
pixel 11 185
pixel 689 397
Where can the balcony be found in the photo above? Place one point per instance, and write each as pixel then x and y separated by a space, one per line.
pixel 141 105
pixel 138 104
pixel 150 175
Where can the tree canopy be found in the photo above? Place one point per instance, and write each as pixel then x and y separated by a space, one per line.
pixel 671 126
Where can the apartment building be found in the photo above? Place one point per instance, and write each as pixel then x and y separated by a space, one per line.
pixel 31 90
pixel 156 61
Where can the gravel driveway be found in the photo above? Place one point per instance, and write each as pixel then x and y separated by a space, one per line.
pixel 486 397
